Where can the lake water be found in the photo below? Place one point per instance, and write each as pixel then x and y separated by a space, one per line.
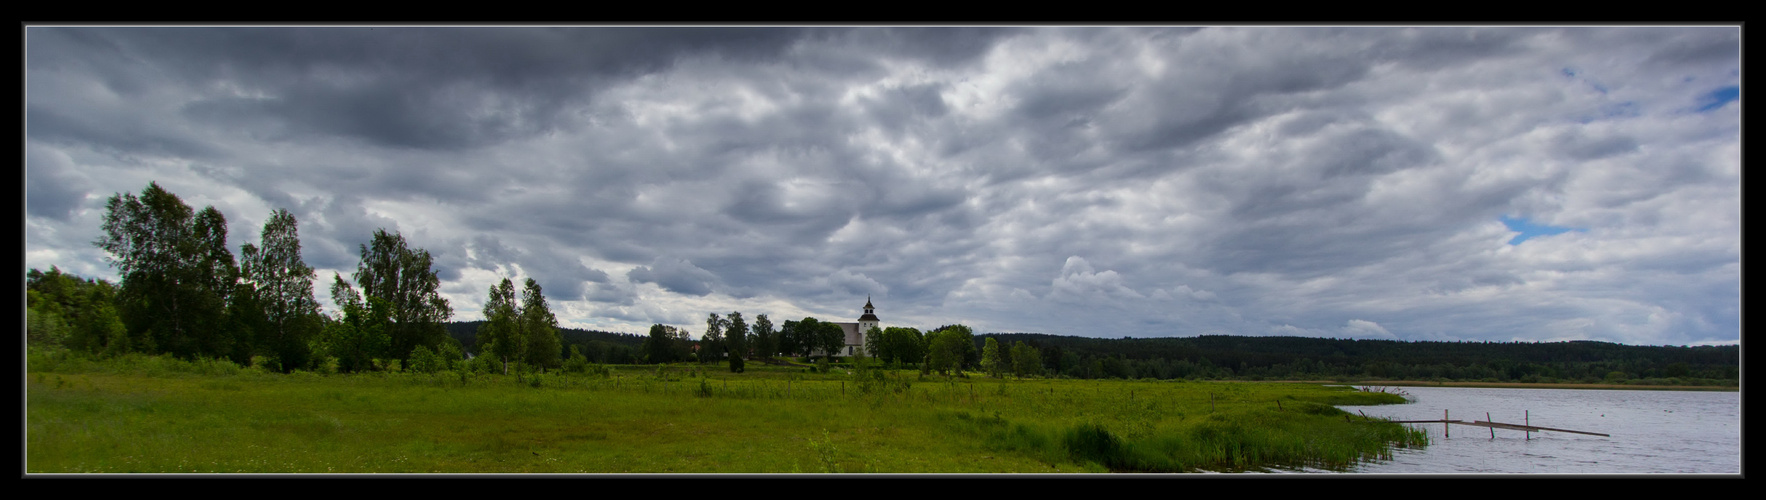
pixel 1653 432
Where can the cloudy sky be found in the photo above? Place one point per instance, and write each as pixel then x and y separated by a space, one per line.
pixel 1429 183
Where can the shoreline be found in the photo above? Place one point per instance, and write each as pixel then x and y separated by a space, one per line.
pixel 1523 385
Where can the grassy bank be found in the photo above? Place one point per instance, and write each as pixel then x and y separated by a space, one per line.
pixel 1540 385
pixel 155 415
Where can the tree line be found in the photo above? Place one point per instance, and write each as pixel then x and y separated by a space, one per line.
pixel 182 293
pixel 1239 357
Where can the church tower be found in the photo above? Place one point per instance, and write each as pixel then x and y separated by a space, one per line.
pixel 866 322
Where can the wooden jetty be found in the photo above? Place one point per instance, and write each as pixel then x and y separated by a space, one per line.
pixel 1528 427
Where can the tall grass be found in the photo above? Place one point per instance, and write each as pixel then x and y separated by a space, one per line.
pixel 149 414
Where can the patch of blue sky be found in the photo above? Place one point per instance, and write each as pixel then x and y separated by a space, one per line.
pixel 1573 74
pixel 1528 229
pixel 1717 98
pixel 1626 109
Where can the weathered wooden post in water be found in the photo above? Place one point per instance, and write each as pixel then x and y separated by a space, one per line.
pixel 1527 418
pixel 1446 430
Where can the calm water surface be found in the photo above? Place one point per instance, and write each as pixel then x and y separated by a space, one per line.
pixel 1671 432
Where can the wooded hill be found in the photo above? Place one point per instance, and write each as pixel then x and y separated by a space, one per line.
pixel 1267 358
pixel 1221 356
pixel 597 346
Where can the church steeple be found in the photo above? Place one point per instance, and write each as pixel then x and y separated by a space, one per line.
pixel 870 315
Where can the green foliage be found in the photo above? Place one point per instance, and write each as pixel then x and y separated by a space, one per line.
pixel 945 350
pixel 160 414
pixel 991 361
pixel 501 335
pixel 736 335
pixel 176 273
pixel 1026 361
pixel 283 287
pixel 656 346
pixel 666 344
pixel 1092 442
pixel 790 340
pixel 544 344
pixel 903 345
pixel 358 335
pixel 825 453
pixel 66 310
pixel 405 279
pixel 44 330
pixel 826 337
pixel 484 363
pixel 578 363
pixel 765 340
pixel 450 355
pixel 871 378
pixel 424 360
pixel 711 345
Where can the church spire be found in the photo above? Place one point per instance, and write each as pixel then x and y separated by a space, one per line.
pixel 869 316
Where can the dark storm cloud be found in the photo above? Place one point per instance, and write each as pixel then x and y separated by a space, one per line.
pixel 676 275
pixel 1582 147
pixel 52 190
pixel 1098 181
pixel 448 88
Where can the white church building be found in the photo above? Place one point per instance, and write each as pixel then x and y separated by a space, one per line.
pixel 855 332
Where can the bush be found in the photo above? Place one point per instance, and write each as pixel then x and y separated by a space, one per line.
pixel 424 360
pixel 1092 442
pixel 484 365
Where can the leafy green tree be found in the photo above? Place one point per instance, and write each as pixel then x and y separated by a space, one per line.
pixel 216 277
pixel 944 351
pixel 991 361
pixel 833 339
pixel 902 345
pixel 501 335
pixel 283 284
pixel 1025 359
pixel 424 360
pixel 711 345
pixel 358 335
pixel 765 342
pixel 736 335
pixel 877 343
pixel 963 348
pixel 789 342
pixel 44 330
pixel 67 310
pixel 451 355
pixel 809 336
pixel 404 278
pixel 169 299
pixel 545 344
pixel 658 346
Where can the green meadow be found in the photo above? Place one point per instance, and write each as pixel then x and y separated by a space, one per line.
pixel 150 414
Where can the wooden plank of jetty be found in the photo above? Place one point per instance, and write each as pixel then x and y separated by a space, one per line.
pixel 1495 425
pixel 1530 428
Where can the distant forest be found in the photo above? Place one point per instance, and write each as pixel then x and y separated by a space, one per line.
pixel 1303 358
pixel 1216 357
pixel 597 346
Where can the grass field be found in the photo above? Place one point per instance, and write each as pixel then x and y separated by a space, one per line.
pixel 142 414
